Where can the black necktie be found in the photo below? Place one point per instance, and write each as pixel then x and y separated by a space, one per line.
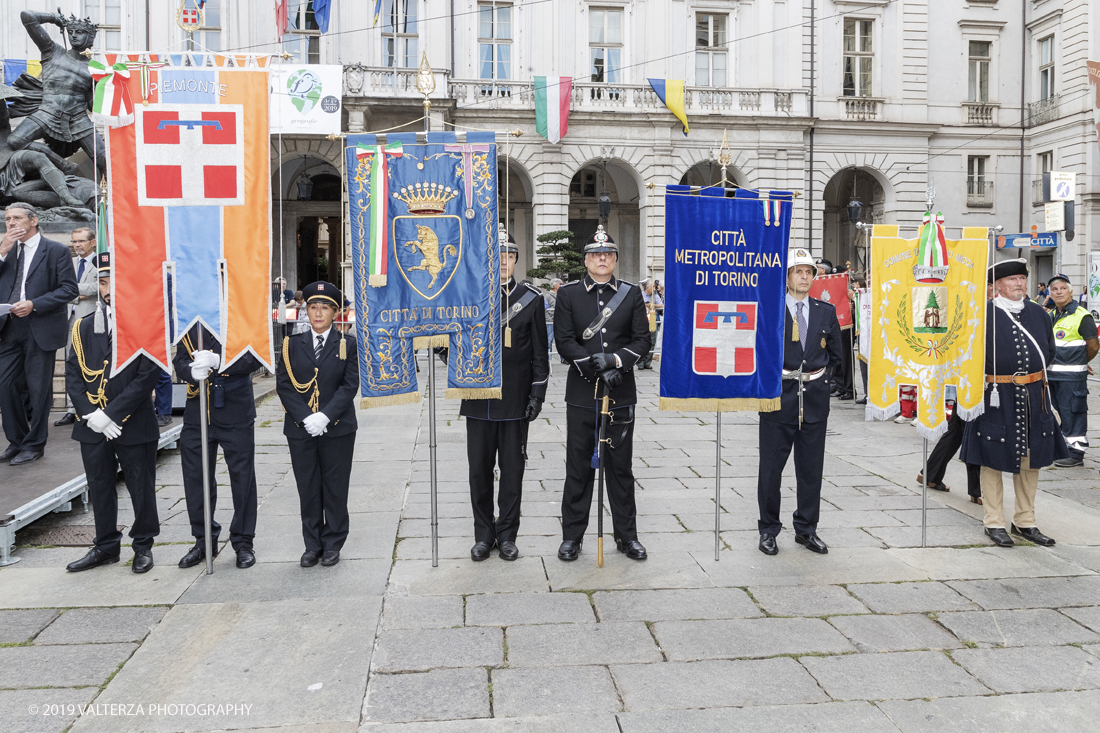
pixel 80 269
pixel 17 283
pixel 320 345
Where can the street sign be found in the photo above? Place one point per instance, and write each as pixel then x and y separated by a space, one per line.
pixel 1040 240
pixel 1056 216
pixel 1062 185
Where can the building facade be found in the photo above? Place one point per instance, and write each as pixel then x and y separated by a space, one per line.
pixel 838 100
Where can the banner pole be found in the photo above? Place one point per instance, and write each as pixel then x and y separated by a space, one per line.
pixel 203 417
pixel 431 456
pixel 924 500
pixel 717 483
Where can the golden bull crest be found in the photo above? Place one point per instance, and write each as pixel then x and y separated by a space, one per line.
pixel 428 250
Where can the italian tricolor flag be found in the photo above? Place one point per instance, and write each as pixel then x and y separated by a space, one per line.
pixel 552 106
pixel 378 156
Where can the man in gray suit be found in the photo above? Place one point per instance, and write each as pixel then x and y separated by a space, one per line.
pixel 37 280
pixel 83 239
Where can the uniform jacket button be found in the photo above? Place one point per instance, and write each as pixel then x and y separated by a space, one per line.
pixel 605 343
pixel 604 330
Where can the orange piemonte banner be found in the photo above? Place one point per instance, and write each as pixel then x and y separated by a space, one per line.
pixel 190 207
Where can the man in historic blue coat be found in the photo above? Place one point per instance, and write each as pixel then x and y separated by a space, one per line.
pixel 1017 433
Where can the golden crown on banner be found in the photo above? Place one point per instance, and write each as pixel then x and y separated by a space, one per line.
pixel 426 199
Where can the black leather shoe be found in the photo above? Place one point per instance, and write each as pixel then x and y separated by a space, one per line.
pixel 246 558
pixel 569 551
pixel 25 457
pixel 310 558
pixel 768 545
pixel 999 536
pixel 8 454
pixel 330 558
pixel 197 554
pixel 480 551
pixel 861 401
pixel 163 420
pixel 632 549
pixel 1032 534
pixel 812 543
pixel 844 396
pixel 94 558
pixel 67 419
pixel 143 561
pixel 1071 462
pixel 508 551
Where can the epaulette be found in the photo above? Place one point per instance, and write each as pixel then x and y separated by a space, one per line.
pixel 571 282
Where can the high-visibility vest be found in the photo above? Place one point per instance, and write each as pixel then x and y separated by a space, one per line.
pixel 1070 348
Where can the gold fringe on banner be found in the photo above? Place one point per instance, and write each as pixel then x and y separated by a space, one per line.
pixel 458 393
pixel 376 281
pixel 738 404
pixel 408 398
pixel 430 342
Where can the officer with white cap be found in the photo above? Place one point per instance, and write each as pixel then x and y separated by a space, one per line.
pixel 811 353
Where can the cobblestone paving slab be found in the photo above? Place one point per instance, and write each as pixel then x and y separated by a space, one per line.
pixel 1031 592
pixel 709 684
pixel 60 666
pixel 1032 669
pixel 906 632
pixel 850 717
pixel 795 565
pixel 511 609
pixel 17 627
pixel 109 585
pixel 668 605
pixel 766 637
pixel 910 597
pixel 1037 713
pixel 43 711
pixel 539 691
pixel 823 600
pixel 1016 628
pixel 994 562
pixel 102 625
pixel 899 676
pixel 667 570
pixel 556 645
pixel 579 723
pixel 441 694
pixel 422 612
pixel 413 650
pixel 418 577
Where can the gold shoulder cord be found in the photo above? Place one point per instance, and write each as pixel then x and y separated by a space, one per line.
pixel 315 398
pixel 99 399
pixel 192 390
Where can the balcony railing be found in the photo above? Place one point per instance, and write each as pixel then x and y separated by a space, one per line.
pixel 1043 111
pixel 861 108
pixel 1037 192
pixel 980 113
pixel 979 193
pixel 400 83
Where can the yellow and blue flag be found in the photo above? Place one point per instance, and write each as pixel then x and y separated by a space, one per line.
pixel 14 67
pixel 671 92
pixel 377 11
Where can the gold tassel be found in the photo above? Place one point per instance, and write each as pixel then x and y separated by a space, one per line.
pixel 734 404
pixel 508 337
pixel 441 340
pixel 460 393
pixel 794 331
pixel 343 348
pixel 376 281
pixel 408 398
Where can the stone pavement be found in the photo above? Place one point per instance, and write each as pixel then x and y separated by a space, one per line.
pixel 878 635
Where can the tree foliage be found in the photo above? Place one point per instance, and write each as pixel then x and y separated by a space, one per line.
pixel 933 304
pixel 559 256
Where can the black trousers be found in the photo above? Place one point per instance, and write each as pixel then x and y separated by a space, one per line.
pixel 489 442
pixel 580 442
pixel 946 448
pixel 843 376
pixel 776 440
pixel 322 469
pixel 238 443
pixel 139 467
pixel 23 366
pixel 1071 399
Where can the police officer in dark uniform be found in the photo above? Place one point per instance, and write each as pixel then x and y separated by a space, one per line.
pixel 1076 343
pixel 1017 432
pixel 496 430
pixel 811 355
pixel 116 427
pixel 601 328
pixel 231 417
pixel 317 378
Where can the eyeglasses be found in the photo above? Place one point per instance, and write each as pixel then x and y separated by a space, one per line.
pixel 82 241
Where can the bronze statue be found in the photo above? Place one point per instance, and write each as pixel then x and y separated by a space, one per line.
pixel 62 114
pixel 37 174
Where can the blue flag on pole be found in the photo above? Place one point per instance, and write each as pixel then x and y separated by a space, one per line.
pixel 443 264
pixel 725 279
pixel 321 9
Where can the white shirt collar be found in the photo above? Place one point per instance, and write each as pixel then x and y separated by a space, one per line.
pixel 324 336
pixel 33 241
pixel 793 308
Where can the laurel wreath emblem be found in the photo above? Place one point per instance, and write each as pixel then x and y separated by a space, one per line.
pixel 931 347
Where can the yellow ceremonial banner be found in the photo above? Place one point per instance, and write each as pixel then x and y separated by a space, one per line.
pixel 928 322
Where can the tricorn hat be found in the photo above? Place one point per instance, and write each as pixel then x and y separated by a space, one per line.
pixel 1006 268
pixel 601 241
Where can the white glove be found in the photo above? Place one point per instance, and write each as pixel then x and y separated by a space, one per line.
pixel 316 424
pixel 98 421
pixel 113 430
pixel 199 373
pixel 202 362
